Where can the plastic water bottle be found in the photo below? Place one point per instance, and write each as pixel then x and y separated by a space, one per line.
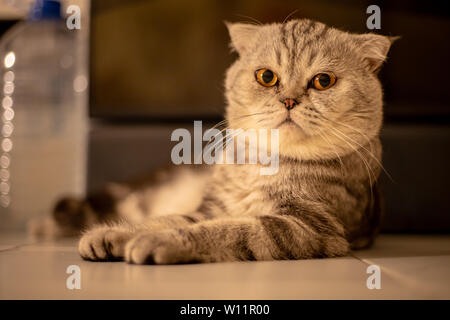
pixel 43 126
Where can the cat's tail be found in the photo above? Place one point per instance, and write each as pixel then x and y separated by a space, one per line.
pixel 70 215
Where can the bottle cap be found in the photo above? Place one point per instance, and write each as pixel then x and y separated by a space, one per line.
pixel 45 10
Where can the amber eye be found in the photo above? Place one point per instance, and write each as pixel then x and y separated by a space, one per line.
pixel 266 77
pixel 323 81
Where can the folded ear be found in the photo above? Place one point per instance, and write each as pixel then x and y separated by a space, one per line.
pixel 373 49
pixel 241 34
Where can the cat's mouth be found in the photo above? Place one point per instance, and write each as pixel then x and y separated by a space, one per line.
pixel 292 126
pixel 288 122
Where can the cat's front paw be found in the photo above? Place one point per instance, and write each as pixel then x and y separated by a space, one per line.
pixel 159 247
pixel 104 243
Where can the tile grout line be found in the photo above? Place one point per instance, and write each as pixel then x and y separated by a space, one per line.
pixel 18 246
pixel 408 282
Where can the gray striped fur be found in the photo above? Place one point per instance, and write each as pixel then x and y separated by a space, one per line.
pixel 324 199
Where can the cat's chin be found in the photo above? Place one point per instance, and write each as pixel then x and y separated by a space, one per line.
pixel 296 144
pixel 292 133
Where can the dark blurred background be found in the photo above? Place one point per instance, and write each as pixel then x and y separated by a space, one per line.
pixel 159 65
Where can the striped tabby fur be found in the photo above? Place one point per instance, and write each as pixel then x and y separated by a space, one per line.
pixel 324 199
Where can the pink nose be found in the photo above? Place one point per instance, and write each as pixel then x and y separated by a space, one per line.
pixel 290 103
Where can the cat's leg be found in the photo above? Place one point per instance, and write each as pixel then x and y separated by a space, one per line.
pixel 182 192
pixel 266 237
pixel 107 242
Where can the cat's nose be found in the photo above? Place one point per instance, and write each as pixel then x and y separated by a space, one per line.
pixel 290 103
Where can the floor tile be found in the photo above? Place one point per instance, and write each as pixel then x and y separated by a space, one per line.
pixel 399 245
pixel 420 263
pixel 38 271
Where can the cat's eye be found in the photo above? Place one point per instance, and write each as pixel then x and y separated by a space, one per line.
pixel 323 81
pixel 266 77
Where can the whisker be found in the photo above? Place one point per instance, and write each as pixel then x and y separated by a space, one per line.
pixel 214 138
pixel 230 139
pixel 361 146
pixel 290 15
pixel 368 169
pixel 218 124
pixel 224 129
pixel 216 143
pixel 254 20
pixel 323 136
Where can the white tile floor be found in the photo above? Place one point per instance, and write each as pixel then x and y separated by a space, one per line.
pixel 412 267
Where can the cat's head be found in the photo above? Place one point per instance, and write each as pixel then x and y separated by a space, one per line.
pixel 318 85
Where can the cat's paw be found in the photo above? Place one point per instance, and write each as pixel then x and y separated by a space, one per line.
pixel 104 243
pixel 158 247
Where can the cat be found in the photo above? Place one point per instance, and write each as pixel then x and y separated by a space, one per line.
pixel 318 85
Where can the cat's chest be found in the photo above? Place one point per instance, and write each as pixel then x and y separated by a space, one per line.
pixel 254 194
